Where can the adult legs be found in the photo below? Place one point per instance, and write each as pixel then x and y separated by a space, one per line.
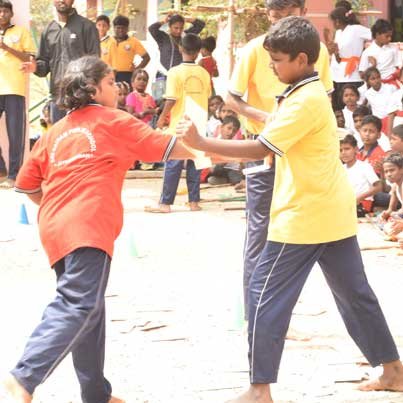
pixel 259 193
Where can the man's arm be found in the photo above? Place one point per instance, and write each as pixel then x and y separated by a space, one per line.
pixel 155 31
pixel 92 45
pixel 197 26
pixel 145 60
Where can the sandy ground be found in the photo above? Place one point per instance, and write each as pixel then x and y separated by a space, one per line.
pixel 175 331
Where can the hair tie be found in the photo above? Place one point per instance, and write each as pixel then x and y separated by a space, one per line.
pixel 348 13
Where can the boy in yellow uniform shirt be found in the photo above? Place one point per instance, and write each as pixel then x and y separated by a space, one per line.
pixel 252 77
pixel 108 43
pixel 312 218
pixel 127 47
pixel 16 46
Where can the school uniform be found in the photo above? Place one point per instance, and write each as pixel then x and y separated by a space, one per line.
pixel 395 107
pixel 374 156
pixel 379 100
pixel 108 51
pixel 348 118
pixel 350 42
pixel 80 167
pixel 313 219
pixel 186 80
pixel 13 85
pixel 253 76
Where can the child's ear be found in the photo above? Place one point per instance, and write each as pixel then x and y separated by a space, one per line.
pixel 302 58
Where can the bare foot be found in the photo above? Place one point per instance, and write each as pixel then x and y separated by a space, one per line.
pixel 161 208
pixel 7 184
pixel 391 379
pixel 16 391
pixel 194 206
pixel 292 334
pixel 116 400
pixel 256 394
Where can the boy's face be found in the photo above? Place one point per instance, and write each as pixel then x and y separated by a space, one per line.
pixel 107 92
pixel 121 31
pixel 396 143
pixel 350 98
pixel 5 16
pixel 341 122
pixel 358 122
pixel 176 29
pixel 392 172
pixel 277 15
pixel 227 131
pixel 204 52
pixel 374 81
pixel 384 39
pixel 348 153
pixel 226 111
pixel 213 105
pixel 102 27
pixel 369 134
pixel 288 71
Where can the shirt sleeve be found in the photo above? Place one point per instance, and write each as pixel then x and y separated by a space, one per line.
pixel 141 142
pixel 197 27
pixel 30 176
pixel 43 56
pixel 397 58
pixel 364 63
pixel 364 32
pixel 395 103
pixel 243 71
pixel 156 33
pixel 91 40
pixel 370 174
pixel 172 86
pixel 323 68
pixel 286 129
pixel 138 47
pixel 27 42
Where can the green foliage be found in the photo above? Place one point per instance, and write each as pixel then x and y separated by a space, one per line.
pixel 41 13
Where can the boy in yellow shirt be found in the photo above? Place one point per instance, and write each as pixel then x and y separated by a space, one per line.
pixel 107 42
pixel 304 228
pixel 16 46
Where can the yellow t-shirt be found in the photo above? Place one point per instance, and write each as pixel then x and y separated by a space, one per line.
pixel 187 79
pixel 124 53
pixel 254 76
pixel 108 49
pixel 12 80
pixel 313 201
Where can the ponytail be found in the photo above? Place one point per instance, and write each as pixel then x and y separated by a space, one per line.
pixel 346 17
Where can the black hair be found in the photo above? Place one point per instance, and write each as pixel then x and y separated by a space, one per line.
pixel 191 44
pixel 123 85
pixel 209 43
pixel 282 4
pixel 140 71
pixel 6 4
pixel 234 120
pixel 175 18
pixel 349 139
pixel 374 120
pixel 219 97
pixel 381 27
pixel 77 87
pixel 294 35
pixel 121 20
pixel 361 110
pixel 369 71
pixel 345 16
pixel 395 159
pixel 103 18
pixel 349 87
pixel 398 131
pixel 344 3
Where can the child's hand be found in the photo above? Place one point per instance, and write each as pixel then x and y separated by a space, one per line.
pixel 396 227
pixel 385 215
pixel 29 67
pixel 187 132
pixel 372 61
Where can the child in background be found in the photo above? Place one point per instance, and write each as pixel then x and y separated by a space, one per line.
pixel 382 54
pixel 139 103
pixel 371 152
pixel 45 124
pixel 393 168
pixel 396 139
pixel 395 110
pixel 229 172
pixel 222 112
pixel 361 175
pixel 108 43
pixel 349 97
pixel 214 103
pixel 207 61
pixel 123 92
pixel 378 96
pixel 358 116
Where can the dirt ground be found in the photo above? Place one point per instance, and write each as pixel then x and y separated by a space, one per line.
pixel 175 331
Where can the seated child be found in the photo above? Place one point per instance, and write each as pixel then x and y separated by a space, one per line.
pixel 123 91
pixel 371 151
pixel 139 103
pixel 350 96
pixel 214 103
pixel 223 111
pixel 395 110
pixel 396 139
pixel 229 172
pixel 45 124
pixel 382 54
pixel 361 175
pixel 207 61
pixel 393 168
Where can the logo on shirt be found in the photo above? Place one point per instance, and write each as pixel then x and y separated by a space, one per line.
pixel 127 47
pixel 193 85
pixel 81 144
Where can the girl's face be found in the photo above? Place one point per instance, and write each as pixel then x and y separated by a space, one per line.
pixel 341 122
pixel 204 52
pixel 122 96
pixel 393 173
pixel 384 39
pixel 140 82
pixel 350 98
pixel 107 91
pixel 226 111
pixel 396 143
pixel 227 131
pixel 358 122
pixel 213 105
pixel 374 81
pixel 176 29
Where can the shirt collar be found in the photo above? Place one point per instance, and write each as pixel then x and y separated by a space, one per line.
pixel 72 14
pixel 3 31
pixel 107 36
pixel 291 88
pixel 188 62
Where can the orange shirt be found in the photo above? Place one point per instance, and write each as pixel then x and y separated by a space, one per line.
pixel 374 156
pixel 80 165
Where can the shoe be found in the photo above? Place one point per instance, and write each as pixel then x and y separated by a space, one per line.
pixel 217 180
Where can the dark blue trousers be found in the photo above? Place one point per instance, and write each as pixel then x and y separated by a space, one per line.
pixel 73 323
pixel 172 174
pixel 259 193
pixel 14 108
pixel 276 285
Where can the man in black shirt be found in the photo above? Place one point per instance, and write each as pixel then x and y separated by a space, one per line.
pixel 69 37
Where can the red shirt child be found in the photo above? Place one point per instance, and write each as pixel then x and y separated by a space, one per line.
pixel 207 61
